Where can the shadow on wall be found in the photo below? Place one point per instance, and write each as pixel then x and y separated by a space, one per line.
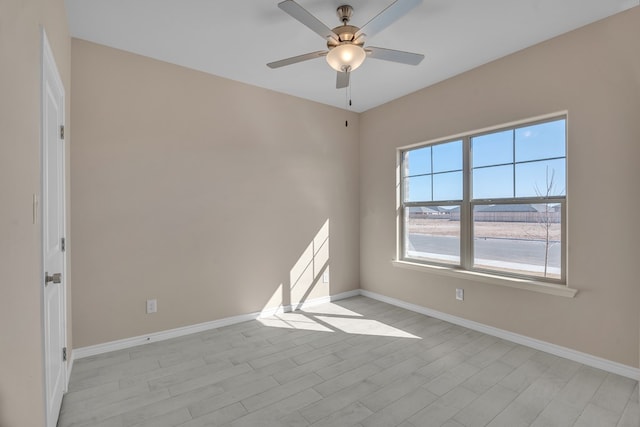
pixel 305 274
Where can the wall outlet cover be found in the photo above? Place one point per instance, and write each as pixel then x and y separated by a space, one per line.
pixel 152 306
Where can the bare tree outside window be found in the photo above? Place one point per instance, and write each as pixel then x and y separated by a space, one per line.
pixel 549 216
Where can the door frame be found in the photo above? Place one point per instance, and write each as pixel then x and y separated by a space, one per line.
pixel 50 73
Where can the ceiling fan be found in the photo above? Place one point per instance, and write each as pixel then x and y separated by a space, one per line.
pixel 346 42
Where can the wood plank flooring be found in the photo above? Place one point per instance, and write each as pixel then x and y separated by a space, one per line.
pixel 353 362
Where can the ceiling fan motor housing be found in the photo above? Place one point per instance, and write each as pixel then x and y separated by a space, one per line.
pixel 345 34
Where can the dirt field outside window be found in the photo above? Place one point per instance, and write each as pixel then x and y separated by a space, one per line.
pixel 498 230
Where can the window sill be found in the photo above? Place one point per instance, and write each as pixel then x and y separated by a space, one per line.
pixel 524 284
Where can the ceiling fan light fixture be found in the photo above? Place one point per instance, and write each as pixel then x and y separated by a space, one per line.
pixel 346 56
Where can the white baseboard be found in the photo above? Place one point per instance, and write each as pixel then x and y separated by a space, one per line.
pixel 567 353
pixel 93 350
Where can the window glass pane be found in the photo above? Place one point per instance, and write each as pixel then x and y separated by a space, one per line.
pixel 447 186
pixel 432 233
pixel 492 149
pixel 541 141
pixel 417 189
pixel 518 238
pixel 493 182
pixel 540 179
pixel 418 162
pixel 447 157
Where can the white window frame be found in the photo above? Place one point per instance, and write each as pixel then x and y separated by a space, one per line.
pixel 467 204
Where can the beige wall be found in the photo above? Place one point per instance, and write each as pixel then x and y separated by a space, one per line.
pixel 21 372
pixel 594 73
pixel 203 193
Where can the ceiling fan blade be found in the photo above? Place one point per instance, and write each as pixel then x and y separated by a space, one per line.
pixel 296 59
pixel 342 80
pixel 388 16
pixel 394 55
pixel 306 18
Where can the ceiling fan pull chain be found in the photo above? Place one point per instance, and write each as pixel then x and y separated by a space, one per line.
pixel 347 103
pixel 346 98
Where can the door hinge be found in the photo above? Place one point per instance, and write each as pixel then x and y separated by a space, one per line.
pixel 61 131
pixel 63 244
pixel 64 354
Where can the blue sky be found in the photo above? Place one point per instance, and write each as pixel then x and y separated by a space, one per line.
pixel 442 164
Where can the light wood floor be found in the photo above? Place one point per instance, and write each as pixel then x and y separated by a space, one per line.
pixel 353 362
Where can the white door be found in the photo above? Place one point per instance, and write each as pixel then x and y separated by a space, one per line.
pixel 53 233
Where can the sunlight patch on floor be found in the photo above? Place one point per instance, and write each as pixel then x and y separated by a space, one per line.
pixel 365 327
pixel 293 321
pixel 332 309
pixel 333 319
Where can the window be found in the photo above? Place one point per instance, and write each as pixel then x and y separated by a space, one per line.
pixel 432 191
pixel 492 201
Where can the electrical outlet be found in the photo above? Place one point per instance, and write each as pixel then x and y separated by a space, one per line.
pixel 460 294
pixel 325 277
pixel 152 306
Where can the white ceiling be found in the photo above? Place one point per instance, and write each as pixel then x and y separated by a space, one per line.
pixel 236 38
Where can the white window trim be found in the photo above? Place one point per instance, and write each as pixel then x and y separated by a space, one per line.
pixel 524 283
